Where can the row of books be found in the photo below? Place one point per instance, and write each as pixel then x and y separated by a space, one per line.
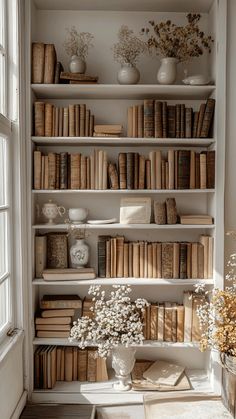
pixel 51 251
pixel 59 363
pixel 173 322
pixel 159 120
pixel 45 67
pixel 181 169
pixel 71 121
pixel 118 258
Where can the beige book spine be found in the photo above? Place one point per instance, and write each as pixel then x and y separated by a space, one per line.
pixel 152 157
pixel 104 171
pixel 160 323
pixel 75 364
pixel 148 174
pixel 56 126
pixel 171 169
pixel 163 174
pixel 153 321
pixel 42 171
pixel 136 262
pixel 62 372
pixel 65 122
pixel 82 364
pixel 46 172
pixel 150 261
pixel 61 116
pixel 210 256
pixel 59 349
pixel 108 259
pixel 39 119
pixel 96 153
pixel 203 179
pixel 167 174
pixel 130 122
pixel 140 121
pixel 187 300
pixel 113 257
pixel 100 169
pixel 120 257
pixel 168 324
pixel 158 169
pixel 101 369
pixel 87 120
pixel 83 172
pixel 40 255
pixel 200 257
pixel 48 120
pixel 92 365
pixel 176 260
pixel 194 260
pixel 159 267
pixel 204 241
pixel 91 125
pixel 92 174
pixel 141 180
pixel 154 260
pixel 82 120
pixel 189 260
pixel 180 323
pixel 38 57
pixel 145 260
pixel 77 120
pixel 126 260
pixel 174 323
pixel 37 169
pixel 141 259
pixel 88 180
pixel 192 182
pixel 71 113
pixel 135 121
pixel 130 260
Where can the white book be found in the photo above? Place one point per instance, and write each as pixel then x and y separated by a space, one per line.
pixel 164 373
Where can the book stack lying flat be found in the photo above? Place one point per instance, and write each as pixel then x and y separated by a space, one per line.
pixel 45 68
pixel 57 315
pixel 142 259
pixel 68 274
pixel 159 120
pixel 107 130
pixel 173 322
pixel 159 376
pixel 59 363
pixel 77 78
pixel 196 219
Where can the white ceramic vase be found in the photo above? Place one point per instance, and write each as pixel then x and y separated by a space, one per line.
pixel 79 254
pixel 228 362
pixel 128 74
pixel 123 360
pixel 168 71
pixel 51 210
pixel 77 65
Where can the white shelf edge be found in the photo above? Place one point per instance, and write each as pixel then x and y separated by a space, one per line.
pixel 117 226
pixel 123 191
pixel 128 281
pixel 124 141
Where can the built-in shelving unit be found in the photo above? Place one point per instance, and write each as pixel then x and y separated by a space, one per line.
pixel 109 101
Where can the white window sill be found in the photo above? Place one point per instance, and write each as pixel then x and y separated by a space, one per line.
pixel 9 343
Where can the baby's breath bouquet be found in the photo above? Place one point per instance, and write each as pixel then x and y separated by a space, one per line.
pixel 129 47
pixel 78 43
pixel 166 39
pixel 116 321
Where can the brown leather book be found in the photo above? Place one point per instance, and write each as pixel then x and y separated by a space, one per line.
pixel 40 255
pixel 113 176
pixel 101 369
pixel 122 170
pixel 65 122
pixel 171 211
pixel 159 258
pixel 208 118
pixel 141 259
pixel 180 323
pixel 56 122
pixel 130 170
pixel 158 169
pixel 51 171
pixel 188 122
pixel 126 260
pixel 77 120
pixel 154 260
pixel 71 120
pixel 167 174
pixel 148 118
pixel 58 364
pixel 136 261
pixel 194 260
pixel 120 256
pixel 140 121
pixel 200 261
pixel 135 121
pixel 195 123
pixel 200 119
pixel 176 247
pixel 163 174
pixel 113 257
pixel 141 180
pixel 63 170
pixel 78 77
pixel 61 116
pixel 108 259
pixel 53 321
pixel 167 260
pixel 178 121
pixel 145 259
pixel 136 170
pixel 158 119
pixel 48 120
pixel 52 334
pixel 62 372
pixel 153 321
pixel 75 171
pixel 75 364
pixel 183 169
pixel 130 260
pixel 164 120
pixel 37 62
pixel 171 121
pixel 82 364
pixel 68 363
pixel 182 120
pixel 168 324
pixel 58 313
pixel 39 119
pixel 57 250
pixel 148 174
pixel 57 171
pixel 174 323
pixel 150 261
pixel 58 69
pixel 92 365
pixel 130 122
pixel 192 181
pixel 203 171
pixel 82 119
pixel 37 169
pixel 87 120
pixel 210 162
pixel 53 327
pixel 171 167
pixel 197 170
pixel 183 261
pixel 50 59
pixel 152 157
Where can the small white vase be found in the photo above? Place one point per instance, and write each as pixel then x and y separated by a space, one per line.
pixel 123 360
pixel 168 71
pixel 77 65
pixel 128 74
pixel 79 254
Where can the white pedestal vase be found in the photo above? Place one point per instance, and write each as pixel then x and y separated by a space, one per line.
pixel 123 360
pixel 168 71
pixel 128 74
pixel 77 65
pixel 79 254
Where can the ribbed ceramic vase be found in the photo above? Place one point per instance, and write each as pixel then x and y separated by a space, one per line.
pixel 167 72
pixel 123 360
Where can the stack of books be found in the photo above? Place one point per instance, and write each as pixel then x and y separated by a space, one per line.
pixel 173 322
pixel 60 363
pixel 45 67
pixel 118 258
pixel 159 120
pixel 179 169
pixel 108 130
pixel 73 120
pixel 78 78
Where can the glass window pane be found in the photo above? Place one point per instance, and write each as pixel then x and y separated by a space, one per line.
pixel 2 171
pixel 4 304
pixel 3 243
pixel 2 85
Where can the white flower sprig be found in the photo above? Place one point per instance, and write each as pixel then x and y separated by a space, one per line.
pixel 129 47
pixel 78 43
pixel 117 321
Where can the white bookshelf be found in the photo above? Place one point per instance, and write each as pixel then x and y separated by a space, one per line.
pixel 109 102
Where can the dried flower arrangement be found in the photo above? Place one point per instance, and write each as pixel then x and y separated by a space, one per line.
pixel 180 42
pixel 117 321
pixel 129 47
pixel 78 43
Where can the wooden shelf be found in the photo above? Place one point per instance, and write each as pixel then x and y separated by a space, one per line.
pixel 123 191
pixel 117 91
pixel 117 226
pixel 126 281
pixel 124 141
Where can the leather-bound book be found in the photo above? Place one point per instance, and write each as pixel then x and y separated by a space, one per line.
pixel 130 170
pixel 208 118
pixel 122 161
pixel 68 363
pixel 126 260
pixel 100 169
pixel 167 260
pixel 182 120
pixel 82 120
pixel 180 323
pixel 37 62
pixel 75 171
pixel 61 115
pixel 178 121
pixel 168 324
pixel 200 119
pixel 108 258
pixel 148 174
pixel 153 321
pixel 57 171
pixel 88 180
pixel 174 323
pixel 200 257
pixel 194 260
pixel 159 260
pixel 37 169
pixel 48 120
pixel 160 212
pixel 113 257
pixel 141 259
pixel 192 181
pixel 82 364
pixel 140 121
pixel 130 122
pixel 58 70
pixel 171 121
pixel 176 249
pixel 197 170
pixel 51 171
pixel 113 176
pixel 135 121
pixel 136 170
pixel 152 157
pixel 171 167
pixel 203 171
pixel 40 255
pixel 87 119
pixel 92 365
pixel 49 64
pixel 57 251
pixel 163 174
pixel 77 120
pixel 45 186
pixel 136 262
pixel 164 120
pixel 75 363
pixel 195 123
pixel 205 242
pixel 83 172
pixel 130 260
pixel 39 119
pixel 148 118
pixel 188 122
pixel 188 305
pixel 150 260
pixel 210 162
pixel 141 180
pixel 91 125
pixel 160 322
pixel 158 119
pixel 189 260
pixel 154 260
pixel 65 122
pixel 120 256
pixel 56 122
pixel 71 120
pixel 158 169
pixel 183 169
pixel 171 211
pixel 183 261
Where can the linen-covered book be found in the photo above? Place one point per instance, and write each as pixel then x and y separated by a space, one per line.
pixel 135 210
pixel 164 373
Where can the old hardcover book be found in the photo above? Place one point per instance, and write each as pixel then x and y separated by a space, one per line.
pixel 152 157
pixel 148 174
pixel 141 179
pixel 136 262
pixel 60 302
pixel 188 122
pixel 158 169
pixel 39 119
pixel 91 125
pixel 126 260
pixel 197 170
pixel 37 62
pixel 87 120
pixel 159 267
pixel 178 120
pixel 75 171
pixel 165 373
pixel 82 120
pixel 130 122
pixel 153 321
pixel 45 186
pixel 174 322
pixel 52 171
pixel 188 303
pixel 88 306
pixel 171 211
pixel 104 171
pixel 53 327
pixel 130 259
pixel 136 170
pixel 61 115
pixel 148 118
pixel 122 170
pixel 150 261
pixel 75 363
pixel 141 365
pixel 200 119
pixel 58 313
pixel 210 256
pixel 130 170
pixel 71 112
pixel 40 255
pixel 48 119
pixel 164 120
pixel 101 250
pixel 192 181
pixel 200 256
pixel 171 169
pixel 167 260
pixel 171 121
pixel 198 302
pixel 52 334
pixel 182 120
pixel 108 129
pixel 210 163
pixel 160 322
pixel 56 122
pixel 203 171
pixel 145 259
pixel 158 119
pixel 163 174
pixel 50 59
pixel 195 123
pixel 92 365
pixel 208 118
pixel 154 260
pixel 37 169
pixel 69 274
pixel 141 259
pixel 53 321
pixel 58 70
pixel 101 369
pixel 167 175
pixel 176 251
pixel 189 260
pixel 83 171
pixel 42 172
pixel 205 242
pixel 183 169
pixel 82 364
pixel 168 324
pixel 183 261
pixel 57 250
pixel 68 363
pixel 113 257
pixel 113 176
pixel 65 122
pixel 140 121
pixel 57 171
pixel 58 364
pixel 120 256
pixel 180 323
pixel 194 260
pixel 77 120
pixel 63 170
pixel 196 219
pixel 62 371
pixel 77 77
pixel 108 259
pixel 135 121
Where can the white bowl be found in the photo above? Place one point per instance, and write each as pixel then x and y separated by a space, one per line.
pixel 78 214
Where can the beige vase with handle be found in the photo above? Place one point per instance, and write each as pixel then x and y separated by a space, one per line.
pixel 167 72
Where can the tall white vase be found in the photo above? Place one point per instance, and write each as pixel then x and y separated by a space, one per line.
pixel 123 360
pixel 79 254
pixel 168 71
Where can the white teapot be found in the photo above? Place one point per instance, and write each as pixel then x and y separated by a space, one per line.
pixel 50 210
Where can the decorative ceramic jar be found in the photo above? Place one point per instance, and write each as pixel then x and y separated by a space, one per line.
pixel 228 362
pixel 123 360
pixel 78 215
pixel 168 71
pixel 51 210
pixel 128 74
pixel 79 254
pixel 77 65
